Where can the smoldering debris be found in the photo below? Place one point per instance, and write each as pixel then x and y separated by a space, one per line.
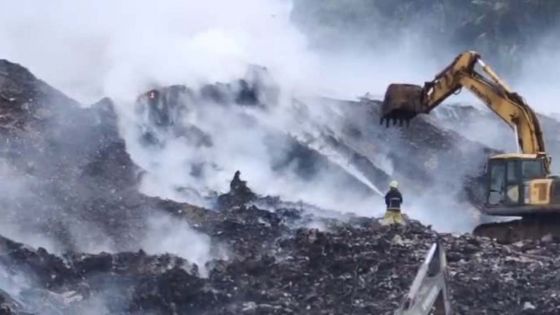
pixel 73 182
pixel 299 150
pixel 357 267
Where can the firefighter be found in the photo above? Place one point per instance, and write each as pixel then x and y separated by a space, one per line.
pixel 393 201
pixel 236 183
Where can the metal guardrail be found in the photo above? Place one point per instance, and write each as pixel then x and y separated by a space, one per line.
pixel 428 293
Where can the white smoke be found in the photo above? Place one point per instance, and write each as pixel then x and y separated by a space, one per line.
pixel 167 235
pixel 23 294
pixel 538 80
pixel 90 50
pixel 103 48
pixel 95 49
pixel 13 188
pixel 246 141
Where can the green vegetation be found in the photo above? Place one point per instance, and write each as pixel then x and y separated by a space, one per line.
pixel 501 30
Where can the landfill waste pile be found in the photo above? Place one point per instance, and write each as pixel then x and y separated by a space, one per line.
pixel 74 219
pixel 351 266
pixel 58 158
pixel 348 137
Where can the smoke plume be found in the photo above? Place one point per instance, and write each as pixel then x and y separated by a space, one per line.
pixel 95 49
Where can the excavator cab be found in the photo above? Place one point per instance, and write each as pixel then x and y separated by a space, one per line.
pixel 519 186
pixel 516 181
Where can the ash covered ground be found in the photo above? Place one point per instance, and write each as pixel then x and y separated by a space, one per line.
pixel 133 208
pixel 80 238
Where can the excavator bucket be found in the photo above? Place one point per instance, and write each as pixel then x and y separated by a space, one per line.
pixel 402 102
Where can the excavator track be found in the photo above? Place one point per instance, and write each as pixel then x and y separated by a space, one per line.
pixel 533 228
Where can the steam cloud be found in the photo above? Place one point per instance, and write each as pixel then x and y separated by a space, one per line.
pixel 165 234
pixel 95 49
pixel 120 49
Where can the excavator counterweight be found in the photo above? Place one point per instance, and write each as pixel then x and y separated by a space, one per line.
pixel 518 183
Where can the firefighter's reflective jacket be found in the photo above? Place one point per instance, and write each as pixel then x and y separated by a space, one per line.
pixel 393 199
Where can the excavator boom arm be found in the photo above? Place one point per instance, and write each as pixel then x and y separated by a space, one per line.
pixel 405 101
pixel 516 114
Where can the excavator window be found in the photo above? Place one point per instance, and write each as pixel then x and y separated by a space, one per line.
pixel 497 182
pixel 507 179
pixel 512 172
pixel 513 182
pixel 505 182
pixel 532 169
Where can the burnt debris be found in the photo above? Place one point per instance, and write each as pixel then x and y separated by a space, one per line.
pixel 281 257
pixel 353 268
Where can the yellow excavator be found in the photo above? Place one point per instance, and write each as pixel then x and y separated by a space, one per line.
pixel 518 184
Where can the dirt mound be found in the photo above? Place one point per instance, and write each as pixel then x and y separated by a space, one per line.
pixel 357 267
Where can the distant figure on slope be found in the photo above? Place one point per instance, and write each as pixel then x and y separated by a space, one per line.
pixel 239 190
pixel 393 201
pixel 236 183
pixel 238 196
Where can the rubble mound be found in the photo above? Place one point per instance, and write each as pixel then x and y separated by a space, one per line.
pixel 357 267
pixel 68 163
pixel 282 258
